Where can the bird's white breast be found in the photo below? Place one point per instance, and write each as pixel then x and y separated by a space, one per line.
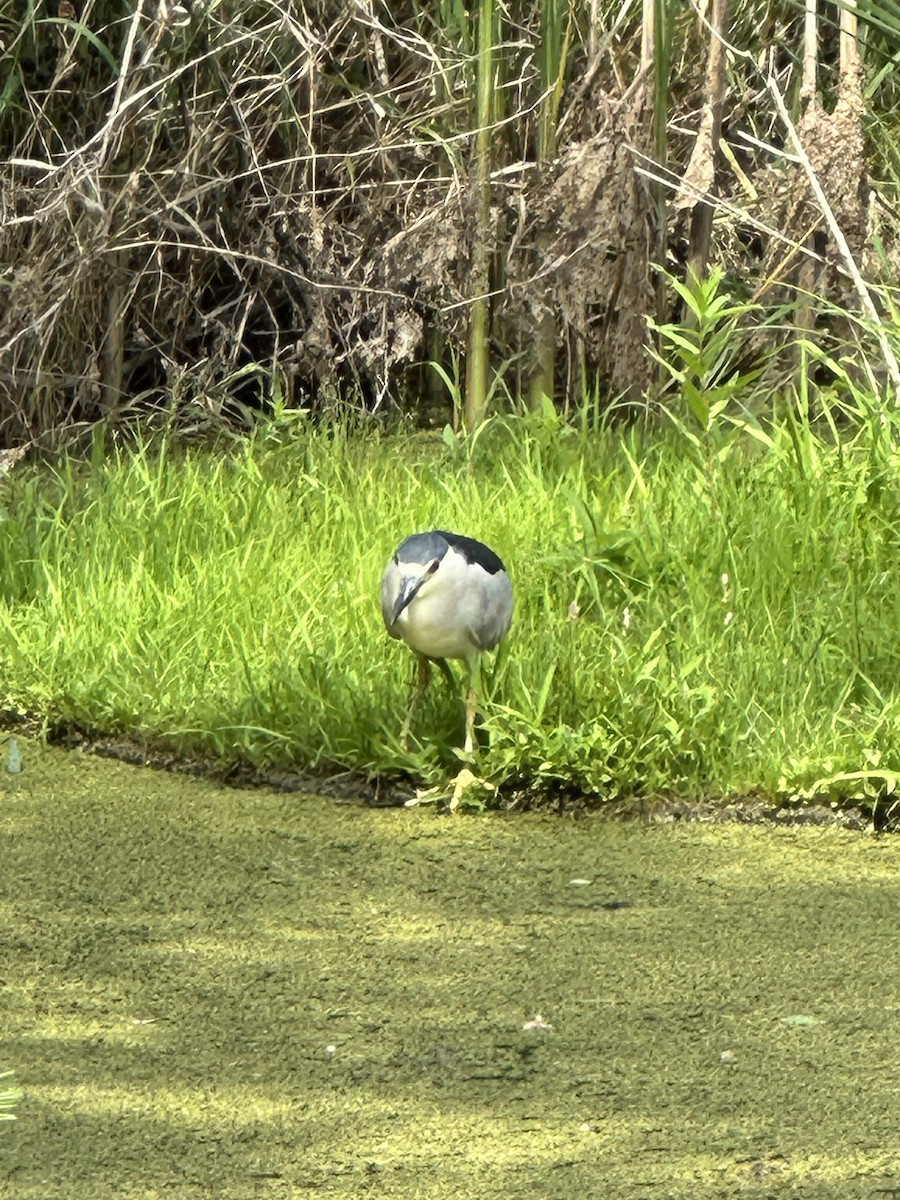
pixel 459 612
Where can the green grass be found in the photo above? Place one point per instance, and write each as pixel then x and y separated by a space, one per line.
pixel 689 621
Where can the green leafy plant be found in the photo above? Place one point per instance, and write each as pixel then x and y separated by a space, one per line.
pixel 702 357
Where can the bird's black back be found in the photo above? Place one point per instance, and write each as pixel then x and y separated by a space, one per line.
pixel 473 551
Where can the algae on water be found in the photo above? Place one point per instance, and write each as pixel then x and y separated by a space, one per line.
pixel 216 993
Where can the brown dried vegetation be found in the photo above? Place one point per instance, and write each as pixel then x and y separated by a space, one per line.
pixel 203 205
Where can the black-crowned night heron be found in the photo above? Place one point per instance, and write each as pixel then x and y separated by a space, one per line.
pixel 446 596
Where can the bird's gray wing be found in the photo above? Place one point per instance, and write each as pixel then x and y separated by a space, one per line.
pixel 495 616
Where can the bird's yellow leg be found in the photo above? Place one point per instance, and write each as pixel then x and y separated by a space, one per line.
pixel 472 702
pixel 471 705
pixel 454 791
pixel 423 677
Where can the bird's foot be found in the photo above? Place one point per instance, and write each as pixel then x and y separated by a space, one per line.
pixel 465 785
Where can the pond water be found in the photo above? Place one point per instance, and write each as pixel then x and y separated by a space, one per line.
pixel 218 993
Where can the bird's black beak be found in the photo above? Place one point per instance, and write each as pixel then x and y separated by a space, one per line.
pixel 408 590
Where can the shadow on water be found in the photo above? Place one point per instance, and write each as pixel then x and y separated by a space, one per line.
pixel 214 993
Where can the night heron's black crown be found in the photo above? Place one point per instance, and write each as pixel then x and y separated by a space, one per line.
pixel 425 547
